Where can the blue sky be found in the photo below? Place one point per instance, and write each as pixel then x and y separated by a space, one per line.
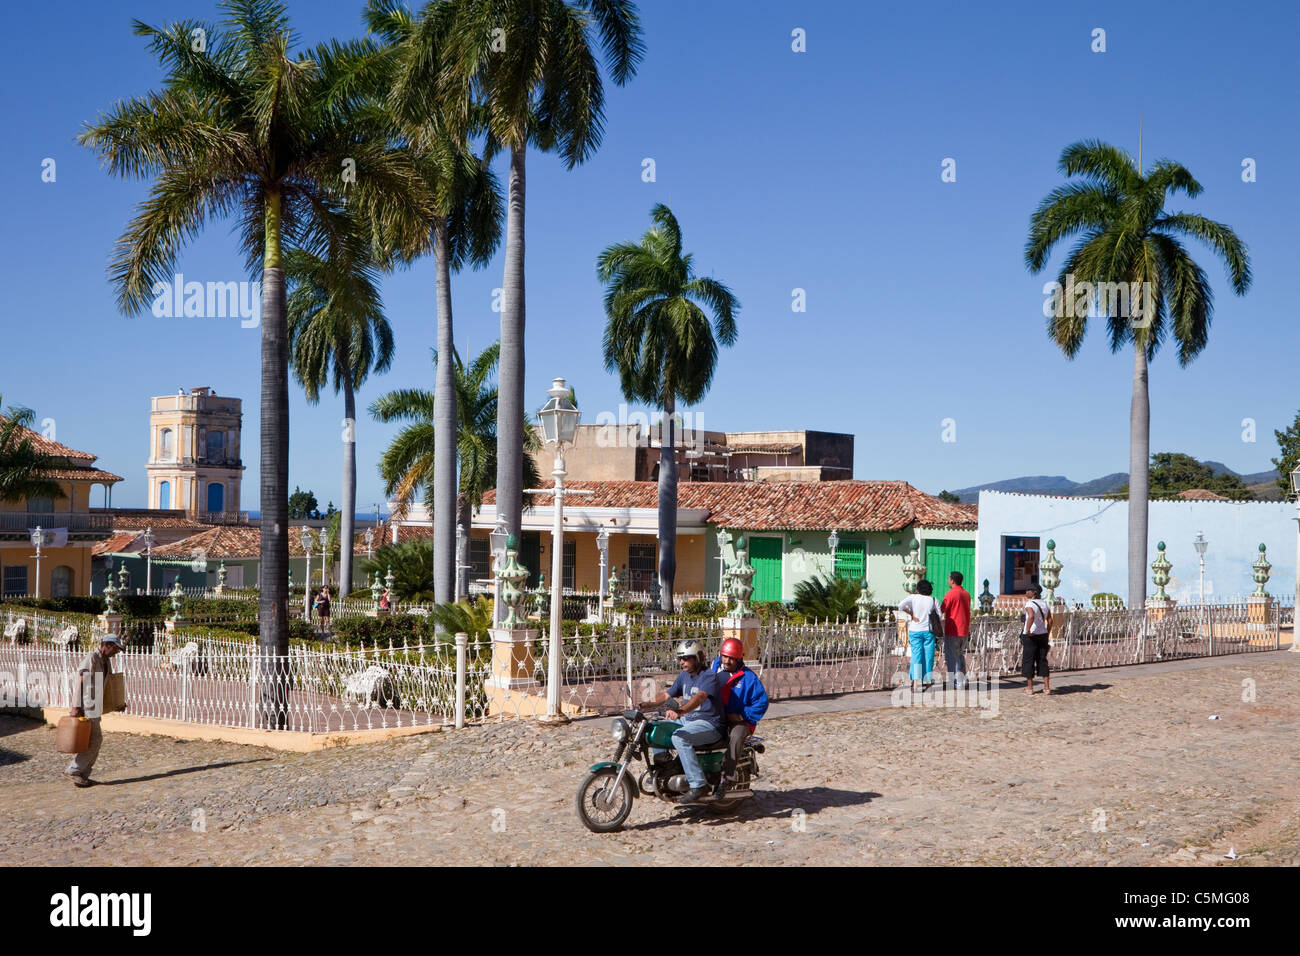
pixel 817 170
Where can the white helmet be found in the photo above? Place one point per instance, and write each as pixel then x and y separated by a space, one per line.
pixel 690 648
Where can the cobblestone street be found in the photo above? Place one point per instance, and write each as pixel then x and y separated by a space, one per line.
pixel 1116 767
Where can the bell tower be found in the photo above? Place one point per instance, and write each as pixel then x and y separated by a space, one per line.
pixel 194 462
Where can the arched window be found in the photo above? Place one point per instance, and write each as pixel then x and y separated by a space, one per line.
pixel 61 581
pixel 216 497
pixel 165 494
pixel 168 451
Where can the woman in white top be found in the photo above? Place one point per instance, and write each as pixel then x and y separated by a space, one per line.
pixel 918 608
pixel 1035 639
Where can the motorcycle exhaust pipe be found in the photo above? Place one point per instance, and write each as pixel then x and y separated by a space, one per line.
pixel 678 783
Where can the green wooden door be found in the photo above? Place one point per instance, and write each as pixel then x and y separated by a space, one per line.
pixel 943 557
pixel 765 556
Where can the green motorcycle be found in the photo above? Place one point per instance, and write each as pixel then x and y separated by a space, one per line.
pixel 605 797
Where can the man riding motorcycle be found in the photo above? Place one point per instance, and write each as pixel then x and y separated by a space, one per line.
pixel 744 702
pixel 700 714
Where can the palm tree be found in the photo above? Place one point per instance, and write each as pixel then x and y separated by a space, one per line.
pixel 660 341
pixel 465 227
pixel 1126 236
pixel 410 462
pixel 337 331
pixel 22 463
pixel 243 128
pixel 412 565
pixel 531 67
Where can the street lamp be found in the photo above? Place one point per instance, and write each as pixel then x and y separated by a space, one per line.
pixel 370 543
pixel 305 541
pixel 1200 544
pixel 497 539
pixel 324 555
pixel 834 542
pixel 148 540
pixel 723 540
pixel 559 418
pixel 38 538
pixel 602 545
pixel 460 565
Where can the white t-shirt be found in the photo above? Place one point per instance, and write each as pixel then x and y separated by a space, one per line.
pixel 920 606
pixel 1036 610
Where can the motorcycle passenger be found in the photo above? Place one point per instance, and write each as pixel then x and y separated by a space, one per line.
pixel 700 714
pixel 744 702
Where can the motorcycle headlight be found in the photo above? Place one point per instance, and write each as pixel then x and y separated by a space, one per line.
pixel 619 729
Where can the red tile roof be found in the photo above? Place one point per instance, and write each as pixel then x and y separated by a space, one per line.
pixel 784 505
pixel 1200 494
pixel 118 543
pixel 245 541
pixel 82 474
pixel 48 446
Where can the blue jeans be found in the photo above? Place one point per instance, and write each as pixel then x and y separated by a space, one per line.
pixel 922 655
pixel 691 733
pixel 954 660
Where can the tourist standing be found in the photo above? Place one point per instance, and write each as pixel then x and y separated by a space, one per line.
pixel 323 609
pixel 923 619
pixel 1035 638
pixel 88 701
pixel 956 628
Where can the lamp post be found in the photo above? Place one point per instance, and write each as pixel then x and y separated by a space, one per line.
pixel 498 537
pixel 38 538
pixel 1295 492
pixel 370 544
pixel 559 418
pixel 834 542
pixel 602 545
pixel 148 540
pixel 1200 544
pixel 324 555
pixel 305 541
pixel 723 540
pixel 460 566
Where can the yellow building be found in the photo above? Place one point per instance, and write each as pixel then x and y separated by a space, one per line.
pixel 69 526
pixel 194 462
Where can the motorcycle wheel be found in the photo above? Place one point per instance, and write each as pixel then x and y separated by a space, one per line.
pixel 600 808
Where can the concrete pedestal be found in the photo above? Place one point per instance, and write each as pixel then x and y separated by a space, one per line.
pixel 1156 610
pixel 745 630
pixel 1259 617
pixel 512 690
pixel 111 623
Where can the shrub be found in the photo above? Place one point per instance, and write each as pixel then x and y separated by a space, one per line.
pixel 827 599
pixel 143 607
pixel 1104 600
pixel 74 604
pixel 701 607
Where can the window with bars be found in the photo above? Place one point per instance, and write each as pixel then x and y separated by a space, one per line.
pixel 480 564
pixel 15 580
pixel 640 566
pixel 570 564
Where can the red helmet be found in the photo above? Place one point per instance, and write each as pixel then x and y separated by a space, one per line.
pixel 733 648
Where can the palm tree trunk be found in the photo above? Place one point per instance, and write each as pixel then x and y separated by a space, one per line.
pixel 273 563
pixel 444 427
pixel 510 400
pixel 1139 459
pixel 668 505
pixel 347 523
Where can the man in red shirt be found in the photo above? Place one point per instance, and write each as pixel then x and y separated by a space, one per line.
pixel 956 628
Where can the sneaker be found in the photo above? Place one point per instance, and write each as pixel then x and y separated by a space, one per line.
pixel 693 795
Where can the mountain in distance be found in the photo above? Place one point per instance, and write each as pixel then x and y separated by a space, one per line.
pixel 1262 485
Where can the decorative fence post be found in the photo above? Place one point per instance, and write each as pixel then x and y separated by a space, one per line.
pixel 913 568
pixel 513 683
pixel 1160 603
pixel 741 622
pixel 986 599
pixel 1259 603
pixel 462 643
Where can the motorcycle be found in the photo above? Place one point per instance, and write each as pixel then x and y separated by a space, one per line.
pixel 605 797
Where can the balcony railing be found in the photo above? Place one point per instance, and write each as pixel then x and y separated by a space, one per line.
pixel 223 517
pixel 73 521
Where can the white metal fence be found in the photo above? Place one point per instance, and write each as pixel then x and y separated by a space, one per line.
pixel 227 683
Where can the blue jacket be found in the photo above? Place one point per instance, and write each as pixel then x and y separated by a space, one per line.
pixel 748 696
